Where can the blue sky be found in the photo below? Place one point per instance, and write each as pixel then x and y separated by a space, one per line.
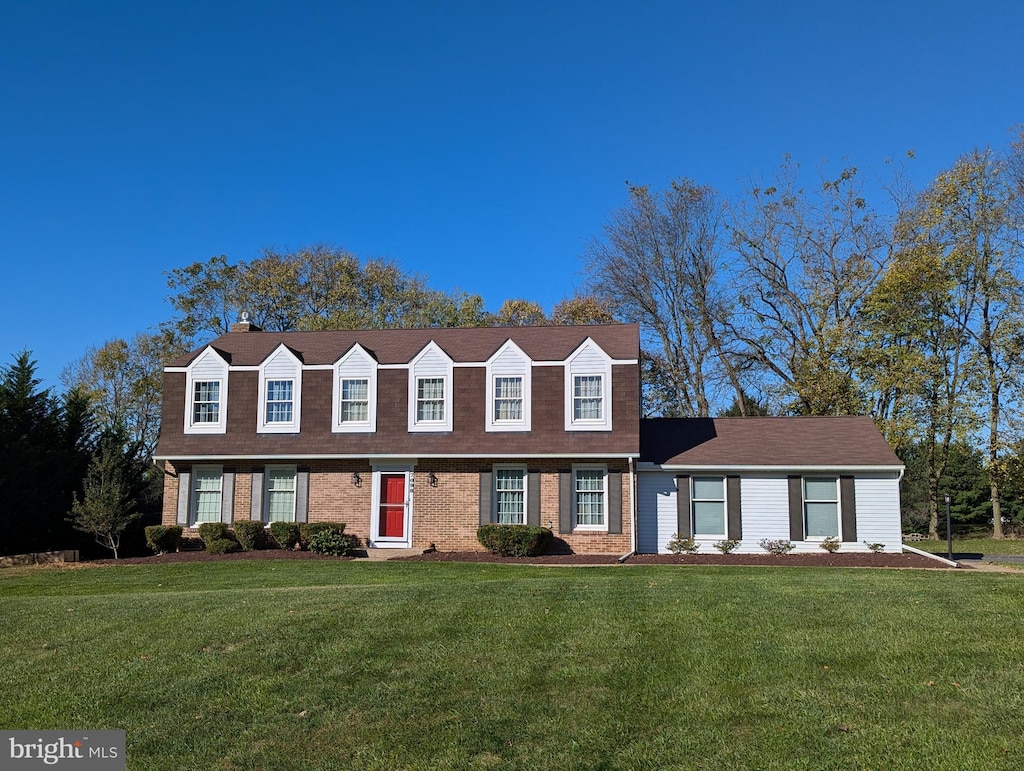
pixel 479 143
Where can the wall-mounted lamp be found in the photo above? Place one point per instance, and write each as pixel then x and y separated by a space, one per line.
pixel 432 478
pixel 356 479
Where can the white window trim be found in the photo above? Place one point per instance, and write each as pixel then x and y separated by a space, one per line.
pixel 263 426
pixel 193 502
pixel 448 377
pixel 525 374
pixel 191 379
pixel 572 371
pixel 725 507
pixel 369 425
pixel 494 489
pixel 602 528
pixel 838 502
pixel 294 471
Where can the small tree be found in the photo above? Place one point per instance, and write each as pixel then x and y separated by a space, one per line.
pixel 108 503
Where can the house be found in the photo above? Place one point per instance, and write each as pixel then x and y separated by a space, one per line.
pixel 415 437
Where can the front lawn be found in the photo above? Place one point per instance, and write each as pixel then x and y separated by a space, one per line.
pixel 326 665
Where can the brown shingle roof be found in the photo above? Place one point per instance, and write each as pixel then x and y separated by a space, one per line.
pixel 400 346
pixel 791 441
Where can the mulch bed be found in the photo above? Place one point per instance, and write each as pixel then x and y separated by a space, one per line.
pixel 849 560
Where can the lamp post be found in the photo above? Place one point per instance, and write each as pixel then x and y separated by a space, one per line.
pixel 949 533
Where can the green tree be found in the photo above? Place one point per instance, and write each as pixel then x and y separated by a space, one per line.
pixel 109 502
pixel 519 313
pixel 581 310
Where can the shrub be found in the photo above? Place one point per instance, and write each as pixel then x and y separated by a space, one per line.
pixel 680 545
pixel 308 529
pixel 831 544
pixel 776 547
pixel 726 546
pixel 251 534
pixel 875 547
pixel 163 539
pixel 222 546
pixel 331 541
pixel 514 540
pixel 285 533
pixel 212 531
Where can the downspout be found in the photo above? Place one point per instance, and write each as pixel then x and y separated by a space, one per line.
pixel 632 513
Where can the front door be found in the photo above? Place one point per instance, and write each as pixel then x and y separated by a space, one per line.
pixel 391 523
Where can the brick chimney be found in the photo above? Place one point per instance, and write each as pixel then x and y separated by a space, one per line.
pixel 244 325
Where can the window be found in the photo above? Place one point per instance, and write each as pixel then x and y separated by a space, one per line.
pixel 708 503
pixel 590 497
pixel 510 496
pixel 206 401
pixel 279 401
pixel 206 495
pixel 508 399
pixel 430 400
pixel 281 493
pixel 354 406
pixel 587 397
pixel 821 507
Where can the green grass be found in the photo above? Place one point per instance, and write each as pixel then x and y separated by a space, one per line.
pixel 987 546
pixel 326 665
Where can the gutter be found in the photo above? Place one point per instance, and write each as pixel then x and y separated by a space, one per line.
pixel 923 553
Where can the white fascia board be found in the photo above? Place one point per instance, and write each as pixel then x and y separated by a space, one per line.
pixel 459 364
pixel 375 456
pixel 768 469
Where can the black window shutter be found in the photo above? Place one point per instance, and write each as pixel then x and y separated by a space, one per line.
pixel 184 497
pixel 796 508
pixel 735 514
pixel 565 502
pixel 615 502
pixel 485 497
pixel 684 528
pixel 533 498
pixel 848 504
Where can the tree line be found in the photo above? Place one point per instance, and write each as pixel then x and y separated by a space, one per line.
pixel 798 297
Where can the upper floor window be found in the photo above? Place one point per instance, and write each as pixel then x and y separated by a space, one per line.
pixel 821 507
pixel 508 376
pixel 206 386
pixel 588 389
pixel 355 392
pixel 280 401
pixel 280 392
pixel 431 374
pixel 590 497
pixel 206 401
pixel 708 502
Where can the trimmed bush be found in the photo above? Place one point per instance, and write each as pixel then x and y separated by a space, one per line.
pixel 285 533
pixel 831 544
pixel 222 546
pixel 212 531
pixel 776 547
pixel 514 540
pixel 163 539
pixel 726 546
pixel 251 534
pixel 331 541
pixel 308 529
pixel 678 545
pixel 876 548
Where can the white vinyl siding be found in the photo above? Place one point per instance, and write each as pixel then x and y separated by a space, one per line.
pixel 280 392
pixel 708 504
pixel 508 374
pixel 355 392
pixel 206 494
pixel 656 512
pixel 281 493
pixel 878 511
pixel 821 507
pixel 590 498
pixel 765 510
pixel 510 496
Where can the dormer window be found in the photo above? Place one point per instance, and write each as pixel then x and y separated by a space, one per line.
pixel 280 393
pixel 206 389
pixel 508 389
pixel 355 392
pixel 355 400
pixel 588 389
pixel 431 375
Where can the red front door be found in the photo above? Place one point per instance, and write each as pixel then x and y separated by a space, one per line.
pixel 392 506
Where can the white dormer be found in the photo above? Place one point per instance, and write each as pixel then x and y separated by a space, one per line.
pixel 355 392
pixel 280 393
pixel 430 390
pixel 588 389
pixel 206 394
pixel 508 389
